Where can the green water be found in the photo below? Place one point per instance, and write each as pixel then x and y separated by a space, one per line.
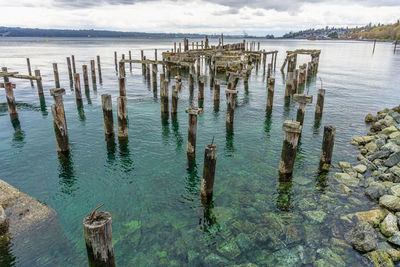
pixel 148 185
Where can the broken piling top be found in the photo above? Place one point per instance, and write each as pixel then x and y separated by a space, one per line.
pixel 57 92
pixel 291 126
pixel 194 110
pixel 303 98
pixel 229 91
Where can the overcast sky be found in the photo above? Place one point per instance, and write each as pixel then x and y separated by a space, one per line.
pixel 257 17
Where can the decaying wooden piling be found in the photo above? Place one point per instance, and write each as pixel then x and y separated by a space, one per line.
pixel 59 120
pixel 143 65
pixel 174 101
pixel 56 76
pixel 216 90
pixel 164 98
pixel 327 147
pixel 201 89
pixel 108 115
pixel 269 71
pixel 192 130
pixel 69 70
pixel 99 70
pixel 116 61
pixel 122 90
pixel 12 107
pixel 191 82
pixel 73 63
pixel 121 69
pixel 39 83
pixel 154 75
pixel 130 63
pixel 78 91
pixel 292 132
pixel 85 77
pixel 98 238
pixel 270 97
pixel 28 63
pixel 93 74
pixel 207 182
pixel 303 100
pixel 230 105
pixel 319 107
pixel 122 117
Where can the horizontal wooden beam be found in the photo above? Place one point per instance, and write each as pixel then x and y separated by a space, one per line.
pixel 3 86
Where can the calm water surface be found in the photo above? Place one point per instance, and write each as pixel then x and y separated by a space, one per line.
pixel 151 189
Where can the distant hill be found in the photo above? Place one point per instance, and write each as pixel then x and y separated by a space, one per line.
pixel 379 32
pixel 28 32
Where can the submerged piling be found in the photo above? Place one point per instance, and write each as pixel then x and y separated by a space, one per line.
pixel 28 63
pixel 78 91
pixel 85 77
pixel 73 63
pixel 108 115
pixel 292 132
pixel 319 107
pixel 99 70
pixel 192 130
pixel 164 99
pixel 230 105
pixel 121 82
pixel 39 83
pixel 216 91
pixel 69 71
pixel 12 107
pixel 56 76
pixel 59 120
pixel 116 61
pixel 122 117
pixel 174 101
pixel 93 73
pixel 270 97
pixel 303 100
pixel 207 182
pixel 327 147
pixel 98 238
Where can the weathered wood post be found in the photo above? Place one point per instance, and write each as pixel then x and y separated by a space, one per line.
pixel 302 99
pixel 12 107
pixel 116 61
pixel 56 77
pixel 78 91
pixel 191 82
pixel 122 117
pixel 164 99
pixel 269 71
pixel 28 63
pixel 85 77
pixel 143 65
pixel 319 107
pixel 270 97
pixel 216 90
pixel 99 70
pixel 174 101
pixel 39 83
pixel 154 75
pixel 288 88
pixel 327 147
pixel 207 182
pixel 212 75
pixel 121 69
pixel 230 105
pixel 192 130
pixel 373 50
pixel 130 62
pixel 292 132
pixel 73 63
pixel 201 89
pixel 69 71
pixel 98 237
pixel 59 120
pixel 121 82
pixel 93 73
pixel 108 115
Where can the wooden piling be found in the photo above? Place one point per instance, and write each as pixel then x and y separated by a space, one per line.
pixel 121 69
pixel 302 99
pixel 28 63
pixel 39 83
pixel 174 101
pixel 164 97
pixel 191 82
pixel 12 107
pixel 154 75
pixel 148 72
pixel 69 70
pixel 73 63
pixel 269 71
pixel 122 117
pixel 230 105
pixel 78 91
pixel 216 90
pixel 289 85
pixel 59 120
pixel 192 129
pixel 108 115
pixel 143 65
pixel 98 238
pixel 99 70
pixel 327 147
pixel 116 61
pixel 200 95
pixel 85 77
pixel 270 97
pixel 93 73
pixel 207 182
pixel 292 132
pixel 319 107
pixel 121 82
pixel 56 76
pixel 130 58
pixel 373 50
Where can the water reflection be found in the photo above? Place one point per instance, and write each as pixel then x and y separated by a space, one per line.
pixel 322 181
pixel 81 112
pixel 43 107
pixel 111 148
pixel 216 107
pixel 66 173
pixel 124 154
pixel 208 223
pixel 286 107
pixel 6 256
pixel 192 181
pixel 87 94
pixel 284 194
pixel 177 134
pixel 165 125
pixel 268 122
pixel 229 138
pixel 317 124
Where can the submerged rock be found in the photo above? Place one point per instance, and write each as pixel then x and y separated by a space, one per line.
pixel 229 249
pixel 215 260
pixel 390 202
pixel 373 217
pixel 380 258
pixel 315 215
pixel 330 257
pixel 346 179
pixel 374 192
pixel 362 237
pixel 388 226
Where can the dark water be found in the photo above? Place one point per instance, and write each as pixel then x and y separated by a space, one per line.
pixel 148 185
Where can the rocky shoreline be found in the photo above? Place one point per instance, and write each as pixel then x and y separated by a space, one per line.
pixel 375 233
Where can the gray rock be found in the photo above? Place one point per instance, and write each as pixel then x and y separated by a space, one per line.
pixel 388 226
pixel 393 160
pixel 360 168
pixel 390 202
pixel 395 170
pixel 379 155
pixel 346 179
pixel 391 146
pixel 395 190
pixel 395 239
pixel 386 177
pixel 362 237
pixel 380 142
pixel 374 192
